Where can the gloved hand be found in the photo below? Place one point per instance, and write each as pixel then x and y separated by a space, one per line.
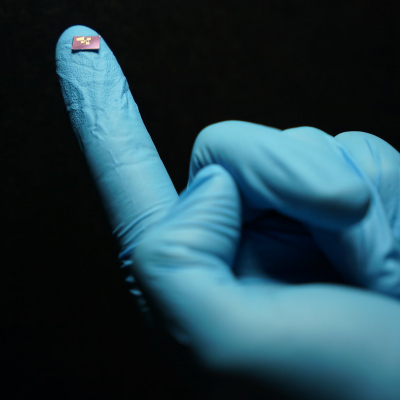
pixel 277 266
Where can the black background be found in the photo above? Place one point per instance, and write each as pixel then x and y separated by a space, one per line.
pixel 68 327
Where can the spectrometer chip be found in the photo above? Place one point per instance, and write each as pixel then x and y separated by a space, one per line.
pixel 86 43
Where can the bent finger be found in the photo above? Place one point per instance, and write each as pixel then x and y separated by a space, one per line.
pixel 302 172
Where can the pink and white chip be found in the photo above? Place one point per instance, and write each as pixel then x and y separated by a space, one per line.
pixel 86 43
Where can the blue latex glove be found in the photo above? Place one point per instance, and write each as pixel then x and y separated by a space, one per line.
pixel 278 265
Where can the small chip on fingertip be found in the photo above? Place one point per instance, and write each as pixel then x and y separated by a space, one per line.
pixel 86 43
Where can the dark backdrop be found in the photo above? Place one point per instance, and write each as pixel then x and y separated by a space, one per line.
pixel 68 327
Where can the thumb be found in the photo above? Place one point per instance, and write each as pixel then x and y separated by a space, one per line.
pixel 183 264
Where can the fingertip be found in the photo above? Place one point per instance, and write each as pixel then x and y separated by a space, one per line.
pixel 65 40
pixel 92 82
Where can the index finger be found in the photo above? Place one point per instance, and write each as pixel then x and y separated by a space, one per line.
pixel 134 185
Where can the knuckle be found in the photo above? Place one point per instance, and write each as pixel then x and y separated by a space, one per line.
pixel 214 131
pixel 302 129
pixel 356 135
pixel 373 154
